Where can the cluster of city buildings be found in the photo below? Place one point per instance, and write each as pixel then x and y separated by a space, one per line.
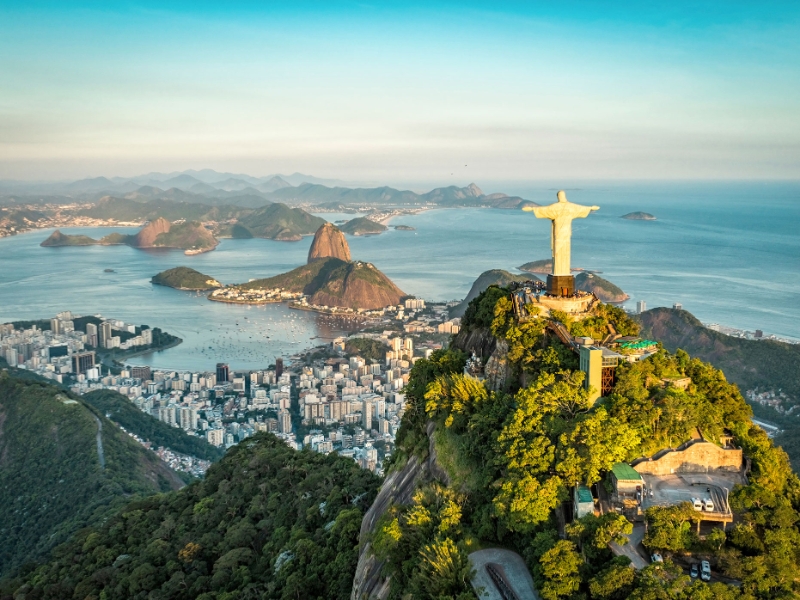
pixel 175 460
pixel 65 350
pixel 239 295
pixel 775 400
pixel 343 403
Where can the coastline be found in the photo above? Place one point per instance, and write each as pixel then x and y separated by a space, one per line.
pixel 248 302
pixel 115 357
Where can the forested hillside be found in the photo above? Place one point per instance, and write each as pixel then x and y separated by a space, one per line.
pixel 266 522
pixel 121 410
pixel 763 364
pixel 53 478
pixel 512 451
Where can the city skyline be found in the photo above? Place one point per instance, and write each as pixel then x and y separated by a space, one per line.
pixel 401 94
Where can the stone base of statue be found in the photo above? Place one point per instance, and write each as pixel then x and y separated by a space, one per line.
pixel 577 306
pixel 560 285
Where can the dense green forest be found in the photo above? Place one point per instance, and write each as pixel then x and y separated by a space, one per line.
pixel 121 410
pixel 366 348
pixel 762 364
pixel 511 457
pixel 363 226
pixel 185 278
pixel 52 479
pixel 266 522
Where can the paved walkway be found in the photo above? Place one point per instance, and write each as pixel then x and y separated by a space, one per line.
pixel 516 574
pixel 631 549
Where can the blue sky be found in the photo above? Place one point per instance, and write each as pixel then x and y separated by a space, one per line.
pixel 391 92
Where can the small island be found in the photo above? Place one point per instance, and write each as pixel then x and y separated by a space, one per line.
pixel 184 278
pixel 404 228
pixel 363 226
pixel 638 216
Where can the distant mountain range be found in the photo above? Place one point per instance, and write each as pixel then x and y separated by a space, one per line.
pixel 217 189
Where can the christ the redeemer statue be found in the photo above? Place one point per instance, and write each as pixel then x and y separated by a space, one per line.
pixel 561 214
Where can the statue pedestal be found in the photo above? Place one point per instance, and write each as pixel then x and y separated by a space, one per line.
pixel 560 285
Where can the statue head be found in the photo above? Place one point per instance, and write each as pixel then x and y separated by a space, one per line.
pixel 562 196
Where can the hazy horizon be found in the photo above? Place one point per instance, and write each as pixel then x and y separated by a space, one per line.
pixel 390 92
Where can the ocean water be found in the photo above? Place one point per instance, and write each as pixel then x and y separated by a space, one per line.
pixel 729 252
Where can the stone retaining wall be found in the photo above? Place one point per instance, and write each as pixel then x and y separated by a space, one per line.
pixel 700 457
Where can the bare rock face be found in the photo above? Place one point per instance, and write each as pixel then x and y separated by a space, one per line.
pixel 357 285
pixel 329 241
pixel 147 236
pixel 397 488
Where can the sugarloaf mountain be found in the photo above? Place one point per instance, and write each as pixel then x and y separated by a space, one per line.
pixel 331 278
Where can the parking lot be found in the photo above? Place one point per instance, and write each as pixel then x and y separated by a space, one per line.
pixel 669 490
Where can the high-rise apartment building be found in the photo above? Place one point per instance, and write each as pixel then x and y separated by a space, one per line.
pixel 284 421
pixel 105 334
pixel 223 373
pixel 143 373
pixel 91 334
pixel 366 416
pixel 82 362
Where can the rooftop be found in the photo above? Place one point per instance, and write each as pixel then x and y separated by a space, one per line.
pixel 625 472
pixel 584 493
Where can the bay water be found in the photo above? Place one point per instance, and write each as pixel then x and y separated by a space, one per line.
pixel 728 252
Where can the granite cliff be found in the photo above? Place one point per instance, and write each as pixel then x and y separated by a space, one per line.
pixel 147 235
pixel 329 242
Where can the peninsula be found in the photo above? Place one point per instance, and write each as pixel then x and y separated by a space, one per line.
pixel 330 281
pixel 190 236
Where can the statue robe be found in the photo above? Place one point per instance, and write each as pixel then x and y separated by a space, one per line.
pixel 561 214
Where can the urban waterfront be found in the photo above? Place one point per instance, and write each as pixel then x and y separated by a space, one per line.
pixel 732 259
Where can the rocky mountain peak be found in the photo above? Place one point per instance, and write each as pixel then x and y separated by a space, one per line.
pixel 473 190
pixel 329 241
pixel 147 236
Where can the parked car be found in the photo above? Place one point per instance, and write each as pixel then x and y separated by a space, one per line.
pixel 698 505
pixel 708 504
pixel 656 558
pixel 705 571
pixel 695 571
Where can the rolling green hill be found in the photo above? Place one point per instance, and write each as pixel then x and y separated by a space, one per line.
pixel 279 222
pixel 502 456
pixel 63 466
pixel 602 288
pixel 542 267
pixel 492 277
pixel 184 278
pixel 763 364
pixel 121 410
pixel 121 209
pixel 363 226
pixel 266 522
pixel 57 239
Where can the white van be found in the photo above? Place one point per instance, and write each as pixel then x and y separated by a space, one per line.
pixel 698 505
pixel 705 571
pixel 708 504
